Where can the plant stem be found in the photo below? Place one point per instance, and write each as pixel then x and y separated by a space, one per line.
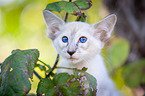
pixel 38 76
pixel 55 64
pixel 44 64
pixel 66 15
pixel 70 68
pixel 65 68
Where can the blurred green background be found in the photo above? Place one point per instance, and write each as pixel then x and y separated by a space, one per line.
pixel 22 27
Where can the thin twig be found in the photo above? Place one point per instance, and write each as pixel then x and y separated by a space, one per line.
pixel 80 70
pixel 55 64
pixel 44 64
pixel 66 15
pixel 37 75
pixel 65 68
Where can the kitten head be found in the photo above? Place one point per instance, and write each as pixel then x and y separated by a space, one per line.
pixel 78 41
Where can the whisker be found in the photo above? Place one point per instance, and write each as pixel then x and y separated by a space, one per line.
pixel 108 61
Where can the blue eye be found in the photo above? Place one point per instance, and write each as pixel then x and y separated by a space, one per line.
pixel 64 39
pixel 83 39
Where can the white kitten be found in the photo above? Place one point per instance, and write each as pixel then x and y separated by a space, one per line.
pixel 79 45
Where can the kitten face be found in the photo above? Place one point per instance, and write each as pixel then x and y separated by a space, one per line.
pixel 76 43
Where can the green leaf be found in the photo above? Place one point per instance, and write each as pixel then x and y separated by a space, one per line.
pixel 117 78
pixel 54 7
pixel 73 8
pixel 74 84
pixel 14 51
pixel 75 88
pixel 61 79
pixel 92 80
pixel 133 73
pixel 84 69
pixel 62 5
pixel 83 5
pixel 92 83
pixel 69 7
pixel 46 86
pixel 72 90
pixel 64 84
pixel 75 73
pixel 51 92
pixel 16 71
pixel 117 58
pixel 66 91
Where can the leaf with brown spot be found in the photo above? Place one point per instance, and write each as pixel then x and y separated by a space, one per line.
pixel 16 71
pixel 69 7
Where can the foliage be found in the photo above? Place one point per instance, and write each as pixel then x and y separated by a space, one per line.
pixel 16 71
pixel 64 84
pixel 18 28
pixel 18 68
pixel 73 8
pixel 133 73
pixel 117 58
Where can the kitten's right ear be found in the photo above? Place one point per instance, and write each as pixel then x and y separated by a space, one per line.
pixel 53 23
pixel 104 27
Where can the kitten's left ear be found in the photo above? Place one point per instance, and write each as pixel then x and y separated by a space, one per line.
pixel 104 28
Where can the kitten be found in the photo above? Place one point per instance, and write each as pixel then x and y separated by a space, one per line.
pixel 79 45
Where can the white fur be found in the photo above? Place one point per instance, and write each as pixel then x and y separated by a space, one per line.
pixel 86 54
